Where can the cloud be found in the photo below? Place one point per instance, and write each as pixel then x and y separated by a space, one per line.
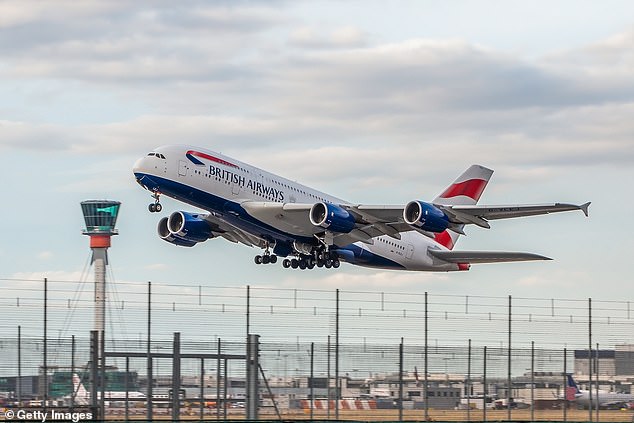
pixel 368 280
pixel 45 255
pixel 156 267
pixel 214 76
pixel 340 38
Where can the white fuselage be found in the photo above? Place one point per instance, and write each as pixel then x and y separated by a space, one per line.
pixel 219 184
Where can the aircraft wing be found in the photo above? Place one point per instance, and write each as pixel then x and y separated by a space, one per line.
pixel 479 215
pixel 231 233
pixel 376 220
pixel 475 257
pixel 294 218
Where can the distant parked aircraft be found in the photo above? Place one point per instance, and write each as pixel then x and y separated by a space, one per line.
pixel 602 398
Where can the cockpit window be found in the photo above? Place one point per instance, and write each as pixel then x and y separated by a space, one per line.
pixel 159 155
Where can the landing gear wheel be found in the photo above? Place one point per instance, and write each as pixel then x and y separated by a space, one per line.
pixel 286 263
pixel 266 259
pixel 328 264
pixel 336 264
pixel 302 264
pixel 156 206
pixel 294 263
pixel 258 260
pixel 273 259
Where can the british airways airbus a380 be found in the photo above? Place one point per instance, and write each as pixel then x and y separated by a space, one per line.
pixel 309 228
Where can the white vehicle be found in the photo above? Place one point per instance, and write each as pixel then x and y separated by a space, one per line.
pixel 248 205
pixel 82 397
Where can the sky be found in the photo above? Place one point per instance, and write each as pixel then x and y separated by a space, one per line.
pixel 375 102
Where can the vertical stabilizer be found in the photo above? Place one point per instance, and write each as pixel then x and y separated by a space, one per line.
pixel 80 395
pixel 465 190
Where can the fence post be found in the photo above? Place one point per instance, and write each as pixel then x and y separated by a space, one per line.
pixel 127 388
pixel 45 364
pixel 312 379
pixel 19 384
pixel 176 377
pixel 328 372
pixel 150 377
pixel 202 389
pixel 72 372
pixel 94 356
pixel 252 377
pixel 590 358
pixel 468 393
pixel 400 381
pixel 337 386
pixel 219 376
pixel 533 381
pixel 596 369
pixel 425 396
pixel 565 385
pixel 509 380
pixel 248 311
pixel 485 388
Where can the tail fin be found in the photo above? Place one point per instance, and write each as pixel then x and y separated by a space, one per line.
pixel 79 392
pixel 465 190
pixel 572 390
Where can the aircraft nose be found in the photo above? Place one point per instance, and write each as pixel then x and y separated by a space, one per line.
pixel 138 166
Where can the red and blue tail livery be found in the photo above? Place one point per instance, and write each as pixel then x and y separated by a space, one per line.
pixel 308 228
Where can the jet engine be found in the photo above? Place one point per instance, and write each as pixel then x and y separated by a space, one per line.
pixel 331 217
pixel 166 235
pixel 189 226
pixel 184 229
pixel 425 216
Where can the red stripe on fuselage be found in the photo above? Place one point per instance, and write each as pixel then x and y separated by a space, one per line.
pixel 444 239
pixel 212 158
pixel 472 188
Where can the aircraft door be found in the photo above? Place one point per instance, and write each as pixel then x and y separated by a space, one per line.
pixel 409 252
pixel 182 168
pixel 236 184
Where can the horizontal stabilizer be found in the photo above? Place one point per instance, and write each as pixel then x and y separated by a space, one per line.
pixel 475 257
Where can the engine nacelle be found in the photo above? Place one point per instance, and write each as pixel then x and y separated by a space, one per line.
pixel 331 217
pixel 425 216
pixel 166 235
pixel 189 226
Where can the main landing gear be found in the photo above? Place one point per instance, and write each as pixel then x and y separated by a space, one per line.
pixel 156 206
pixel 266 258
pixel 327 259
pixel 310 258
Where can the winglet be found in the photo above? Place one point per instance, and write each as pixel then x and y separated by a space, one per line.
pixel 584 208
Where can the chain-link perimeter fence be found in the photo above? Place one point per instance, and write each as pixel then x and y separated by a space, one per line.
pixel 323 353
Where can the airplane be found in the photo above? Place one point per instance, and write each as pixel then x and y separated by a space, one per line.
pixel 605 399
pixel 81 396
pixel 309 228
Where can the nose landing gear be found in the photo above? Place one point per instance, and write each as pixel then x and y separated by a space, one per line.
pixel 156 206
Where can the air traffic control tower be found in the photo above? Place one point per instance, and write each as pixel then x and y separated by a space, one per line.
pixel 100 217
